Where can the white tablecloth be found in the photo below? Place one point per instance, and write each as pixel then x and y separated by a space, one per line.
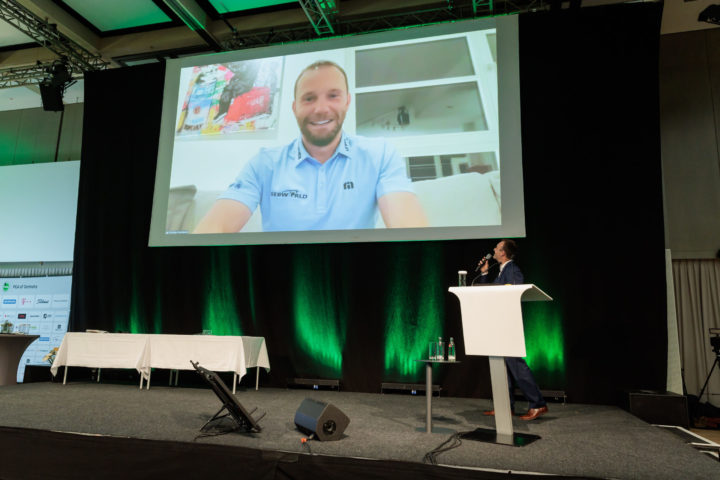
pixel 102 350
pixel 143 352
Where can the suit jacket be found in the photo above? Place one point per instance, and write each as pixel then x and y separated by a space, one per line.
pixel 510 274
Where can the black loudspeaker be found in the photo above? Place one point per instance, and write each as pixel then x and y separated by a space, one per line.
pixel 661 408
pixel 52 97
pixel 322 419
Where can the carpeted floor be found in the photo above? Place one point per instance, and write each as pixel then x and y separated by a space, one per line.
pixel 577 440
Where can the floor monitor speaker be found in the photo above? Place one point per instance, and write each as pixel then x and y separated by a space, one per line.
pixel 322 419
pixel 661 408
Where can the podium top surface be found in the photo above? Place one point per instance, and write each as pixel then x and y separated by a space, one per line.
pixel 529 292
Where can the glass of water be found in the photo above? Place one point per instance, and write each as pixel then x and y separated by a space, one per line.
pixel 433 351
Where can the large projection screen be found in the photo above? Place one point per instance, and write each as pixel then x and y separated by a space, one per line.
pixel 440 104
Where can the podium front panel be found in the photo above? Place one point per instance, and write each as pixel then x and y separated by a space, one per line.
pixel 492 319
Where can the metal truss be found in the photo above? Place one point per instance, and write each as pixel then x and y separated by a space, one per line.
pixel 482 5
pixel 323 17
pixel 21 76
pixel 47 35
pixel 321 14
pixel 454 11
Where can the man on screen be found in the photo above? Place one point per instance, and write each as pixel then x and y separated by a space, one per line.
pixel 518 371
pixel 324 180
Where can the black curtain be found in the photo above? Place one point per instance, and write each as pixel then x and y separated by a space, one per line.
pixel 591 160
pixel 593 209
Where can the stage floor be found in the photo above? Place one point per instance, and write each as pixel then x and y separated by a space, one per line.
pixel 577 440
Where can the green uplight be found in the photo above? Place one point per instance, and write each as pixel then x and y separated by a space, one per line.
pixel 220 313
pixel 319 310
pixel 414 310
pixel 157 314
pixel 132 322
pixel 251 284
pixel 544 340
pixel 15 149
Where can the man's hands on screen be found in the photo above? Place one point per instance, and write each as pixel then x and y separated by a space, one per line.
pixel 225 216
pixel 402 210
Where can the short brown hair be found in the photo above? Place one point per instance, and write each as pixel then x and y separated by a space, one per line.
pixel 510 248
pixel 315 66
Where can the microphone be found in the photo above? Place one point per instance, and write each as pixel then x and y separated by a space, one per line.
pixel 483 261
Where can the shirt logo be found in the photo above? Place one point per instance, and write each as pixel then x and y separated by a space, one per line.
pixel 289 194
pixel 348 186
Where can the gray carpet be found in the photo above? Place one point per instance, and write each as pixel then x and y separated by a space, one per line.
pixel 578 440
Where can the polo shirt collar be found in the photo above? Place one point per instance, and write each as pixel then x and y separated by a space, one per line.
pixel 343 148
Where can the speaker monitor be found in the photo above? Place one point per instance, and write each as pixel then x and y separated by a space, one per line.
pixel 52 97
pixel 322 419
pixel 660 408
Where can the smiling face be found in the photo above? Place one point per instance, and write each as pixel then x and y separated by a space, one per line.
pixel 321 102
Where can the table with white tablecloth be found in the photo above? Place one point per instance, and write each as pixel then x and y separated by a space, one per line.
pixel 143 352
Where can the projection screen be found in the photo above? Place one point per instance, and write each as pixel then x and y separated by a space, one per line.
pixel 427 131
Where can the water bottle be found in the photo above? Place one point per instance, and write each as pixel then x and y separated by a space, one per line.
pixel 451 350
pixel 440 350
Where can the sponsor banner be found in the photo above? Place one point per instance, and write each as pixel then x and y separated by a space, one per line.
pixel 36 306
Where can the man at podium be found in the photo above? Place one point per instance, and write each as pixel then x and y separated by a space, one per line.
pixel 518 370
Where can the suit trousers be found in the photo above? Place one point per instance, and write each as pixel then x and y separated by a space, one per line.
pixel 519 375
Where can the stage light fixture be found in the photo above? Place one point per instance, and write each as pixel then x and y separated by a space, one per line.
pixel 711 14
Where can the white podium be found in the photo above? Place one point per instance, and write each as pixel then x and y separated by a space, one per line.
pixel 492 326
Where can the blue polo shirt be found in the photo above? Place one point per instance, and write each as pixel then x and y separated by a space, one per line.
pixel 296 192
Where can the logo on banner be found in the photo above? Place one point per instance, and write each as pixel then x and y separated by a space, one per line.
pixel 6 287
pixel 60 301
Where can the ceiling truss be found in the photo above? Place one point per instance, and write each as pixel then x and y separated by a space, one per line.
pixel 323 16
pixel 78 59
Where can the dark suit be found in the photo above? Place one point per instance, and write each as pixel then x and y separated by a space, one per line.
pixel 518 371
pixel 511 274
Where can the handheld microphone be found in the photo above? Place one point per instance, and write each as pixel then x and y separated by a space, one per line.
pixel 483 261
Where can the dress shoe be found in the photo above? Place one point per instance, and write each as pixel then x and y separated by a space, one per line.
pixel 491 413
pixel 534 413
